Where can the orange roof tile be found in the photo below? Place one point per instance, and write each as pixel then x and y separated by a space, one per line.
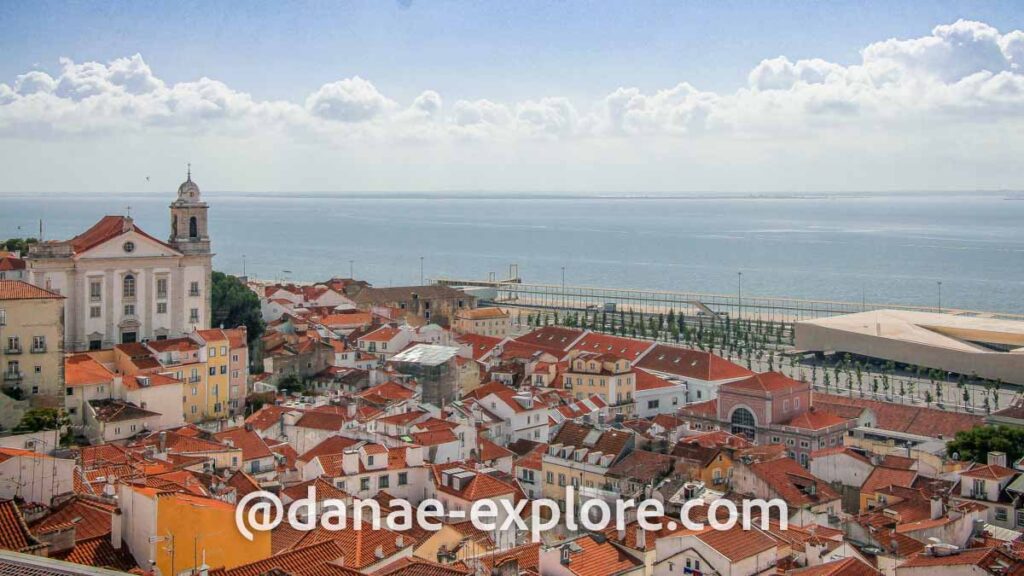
pixel 765 383
pixel 18 290
pixel 83 370
pixel 691 364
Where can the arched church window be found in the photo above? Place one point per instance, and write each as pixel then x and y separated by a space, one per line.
pixel 743 423
pixel 128 287
pixel 193 227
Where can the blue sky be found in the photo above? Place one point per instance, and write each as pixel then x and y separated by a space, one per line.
pixel 505 53
pixel 467 49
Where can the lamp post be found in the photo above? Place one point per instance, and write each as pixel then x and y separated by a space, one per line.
pixel 351 274
pixel 421 270
pixel 939 284
pixel 563 287
pixel 739 295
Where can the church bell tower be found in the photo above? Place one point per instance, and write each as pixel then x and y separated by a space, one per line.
pixel 189 233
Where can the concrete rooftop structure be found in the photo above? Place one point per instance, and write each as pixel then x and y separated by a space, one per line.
pixel 988 347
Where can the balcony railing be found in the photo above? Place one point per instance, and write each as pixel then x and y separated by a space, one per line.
pixel 13 349
pixel 39 349
pixel 12 376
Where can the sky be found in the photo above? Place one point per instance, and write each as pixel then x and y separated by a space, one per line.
pixel 563 96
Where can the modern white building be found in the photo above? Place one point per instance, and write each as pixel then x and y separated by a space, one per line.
pixel 123 285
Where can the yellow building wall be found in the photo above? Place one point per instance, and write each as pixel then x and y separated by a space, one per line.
pixel 194 396
pixel 450 538
pixel 202 525
pixel 218 384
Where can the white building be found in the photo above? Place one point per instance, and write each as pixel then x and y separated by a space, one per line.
pixel 124 285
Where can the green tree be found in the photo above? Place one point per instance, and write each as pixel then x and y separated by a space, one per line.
pixel 37 419
pixel 976 443
pixel 234 304
pixel 18 245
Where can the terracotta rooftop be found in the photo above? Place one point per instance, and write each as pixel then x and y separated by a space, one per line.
pixel 83 370
pixel 253 447
pixel 596 556
pixel 900 417
pixel 627 348
pixel 792 482
pixel 488 313
pixel 765 383
pixel 553 338
pixel 691 364
pixel 14 534
pixel 883 477
pixel 18 290
pixel 107 228
pixel 846 567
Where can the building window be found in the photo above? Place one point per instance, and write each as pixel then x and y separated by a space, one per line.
pixel 364 484
pixel 384 481
pixel 95 344
pixel 743 423
pixel 94 312
pixel 193 227
pixel 652 404
pixel 39 343
pixel 193 289
pixel 95 290
pixel 13 344
pixel 3 317
pixel 161 307
pixel 403 478
pixel 129 309
pixel 128 286
pixel 1000 514
pixel 161 287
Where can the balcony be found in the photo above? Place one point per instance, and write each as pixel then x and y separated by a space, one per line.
pixel 10 376
pixel 13 349
pixel 38 349
pixel 193 292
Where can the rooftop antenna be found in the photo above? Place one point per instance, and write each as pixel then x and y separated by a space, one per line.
pixel 189 179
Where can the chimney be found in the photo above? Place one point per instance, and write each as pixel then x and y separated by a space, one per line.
pixel 350 462
pixel 641 538
pixel 936 508
pixel 997 459
pixel 115 528
pixel 814 547
pixel 352 408
pixel 565 555
pixel 414 456
pixel 163 442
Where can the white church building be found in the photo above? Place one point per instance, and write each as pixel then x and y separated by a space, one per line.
pixel 123 285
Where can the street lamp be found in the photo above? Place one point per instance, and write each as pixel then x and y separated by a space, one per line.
pixel 939 284
pixel 421 270
pixel 563 287
pixel 350 268
pixel 739 295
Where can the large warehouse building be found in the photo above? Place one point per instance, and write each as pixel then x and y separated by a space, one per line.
pixel 987 347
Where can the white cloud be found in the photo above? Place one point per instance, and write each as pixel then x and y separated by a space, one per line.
pixel 348 100
pixel 965 74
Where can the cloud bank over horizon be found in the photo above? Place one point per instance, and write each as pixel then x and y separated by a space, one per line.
pixel 954 95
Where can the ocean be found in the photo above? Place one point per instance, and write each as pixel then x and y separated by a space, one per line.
pixel 882 248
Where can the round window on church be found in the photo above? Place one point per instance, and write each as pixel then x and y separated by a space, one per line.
pixel 129 247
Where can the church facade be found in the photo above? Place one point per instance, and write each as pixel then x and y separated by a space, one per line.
pixel 123 285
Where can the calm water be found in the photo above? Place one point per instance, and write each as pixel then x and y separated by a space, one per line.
pixel 885 248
